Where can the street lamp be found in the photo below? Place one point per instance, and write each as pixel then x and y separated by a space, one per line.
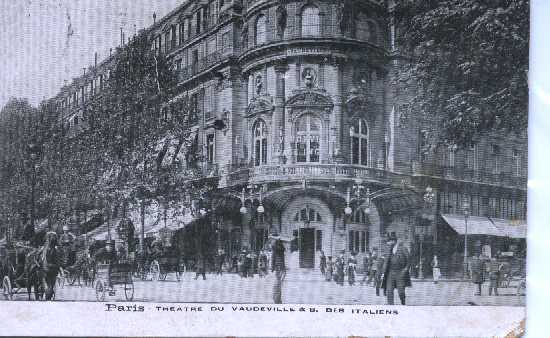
pixel 359 192
pixel 249 193
pixel 428 199
pixel 466 209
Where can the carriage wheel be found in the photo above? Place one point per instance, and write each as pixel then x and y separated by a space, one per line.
pixel 99 291
pixel 154 270
pixel 129 290
pixel 6 287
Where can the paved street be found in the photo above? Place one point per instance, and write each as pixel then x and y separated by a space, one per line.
pixel 298 287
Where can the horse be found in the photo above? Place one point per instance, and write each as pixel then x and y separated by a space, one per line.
pixel 50 264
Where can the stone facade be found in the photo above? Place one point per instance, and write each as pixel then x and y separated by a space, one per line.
pixel 313 121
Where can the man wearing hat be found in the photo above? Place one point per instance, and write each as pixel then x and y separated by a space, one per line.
pixel 278 266
pixel 396 270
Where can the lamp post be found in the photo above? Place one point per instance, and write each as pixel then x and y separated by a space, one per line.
pixel 33 155
pixel 466 210
pixel 428 200
pixel 249 193
pixel 359 192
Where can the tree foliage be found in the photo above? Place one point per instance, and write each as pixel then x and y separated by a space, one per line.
pixel 129 146
pixel 469 60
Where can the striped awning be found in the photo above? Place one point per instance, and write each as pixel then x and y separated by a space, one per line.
pixel 477 225
pixel 511 228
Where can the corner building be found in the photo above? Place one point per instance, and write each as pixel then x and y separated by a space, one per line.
pixel 313 122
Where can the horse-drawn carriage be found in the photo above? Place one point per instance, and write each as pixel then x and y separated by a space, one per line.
pixel 111 275
pixel 23 270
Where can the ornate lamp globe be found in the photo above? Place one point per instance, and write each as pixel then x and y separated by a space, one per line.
pixel 347 211
pixel 243 210
pixel 261 209
pixel 367 209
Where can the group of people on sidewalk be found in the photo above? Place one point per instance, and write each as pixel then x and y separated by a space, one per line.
pixel 387 272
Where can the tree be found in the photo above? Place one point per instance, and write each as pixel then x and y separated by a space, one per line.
pixel 468 60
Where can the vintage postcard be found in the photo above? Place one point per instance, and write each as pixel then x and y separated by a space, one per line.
pixel 179 167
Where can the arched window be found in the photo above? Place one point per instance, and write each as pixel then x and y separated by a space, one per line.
pixel 310 21
pixel 260 143
pixel 308 138
pixel 260 30
pixel 359 133
pixel 360 216
pixel 363 32
pixel 307 215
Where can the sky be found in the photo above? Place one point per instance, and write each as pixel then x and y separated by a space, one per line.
pixel 44 43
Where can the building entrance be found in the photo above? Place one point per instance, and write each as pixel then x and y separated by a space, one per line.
pixel 307 248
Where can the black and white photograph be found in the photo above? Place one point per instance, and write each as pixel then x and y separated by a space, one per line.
pixel 328 152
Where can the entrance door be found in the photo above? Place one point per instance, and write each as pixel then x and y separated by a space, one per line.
pixel 307 248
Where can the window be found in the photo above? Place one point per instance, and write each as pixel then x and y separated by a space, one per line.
pixel 195 61
pixel 167 42
pixel 310 21
pixel 211 47
pixel 357 241
pixel 178 64
pixel 260 143
pixel 182 32
pixel 308 137
pixel 307 214
pixel 260 30
pixel 210 148
pixel 174 36
pixel 495 158
pixel 198 22
pixel 362 32
pixel 516 159
pixel 471 158
pixel 360 217
pixel 226 43
pixel 359 134
pixel 373 32
pixel 451 156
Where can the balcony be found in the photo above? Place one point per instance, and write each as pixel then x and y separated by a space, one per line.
pixel 458 173
pixel 201 65
pixel 310 171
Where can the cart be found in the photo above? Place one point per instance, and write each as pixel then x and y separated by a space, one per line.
pixel 109 276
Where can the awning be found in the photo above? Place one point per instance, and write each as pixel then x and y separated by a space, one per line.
pixel 510 228
pixel 476 225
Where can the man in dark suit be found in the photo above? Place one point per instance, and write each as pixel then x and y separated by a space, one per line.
pixel 396 270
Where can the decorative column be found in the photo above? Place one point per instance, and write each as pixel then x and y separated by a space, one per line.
pixel 278 117
pixel 339 112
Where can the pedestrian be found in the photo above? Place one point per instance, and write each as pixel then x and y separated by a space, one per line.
pixel 367 262
pixel 435 269
pixel 249 262
pixel 378 268
pixel 494 269
pixel 329 271
pixel 220 257
pixel 373 266
pixel 340 267
pixel 476 271
pixel 352 266
pixel 201 267
pixel 242 264
pixel 262 264
pixel 235 264
pixel 396 270
pixel 278 266
pixel 323 264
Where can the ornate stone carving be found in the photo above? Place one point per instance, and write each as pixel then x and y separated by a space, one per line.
pixel 309 76
pixel 259 84
pixel 309 98
pixel 281 16
pixel 260 104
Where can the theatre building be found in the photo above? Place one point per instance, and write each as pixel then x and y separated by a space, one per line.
pixel 319 146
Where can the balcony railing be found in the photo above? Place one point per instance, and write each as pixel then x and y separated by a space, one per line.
pixel 310 32
pixel 296 172
pixel 201 65
pixel 464 174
